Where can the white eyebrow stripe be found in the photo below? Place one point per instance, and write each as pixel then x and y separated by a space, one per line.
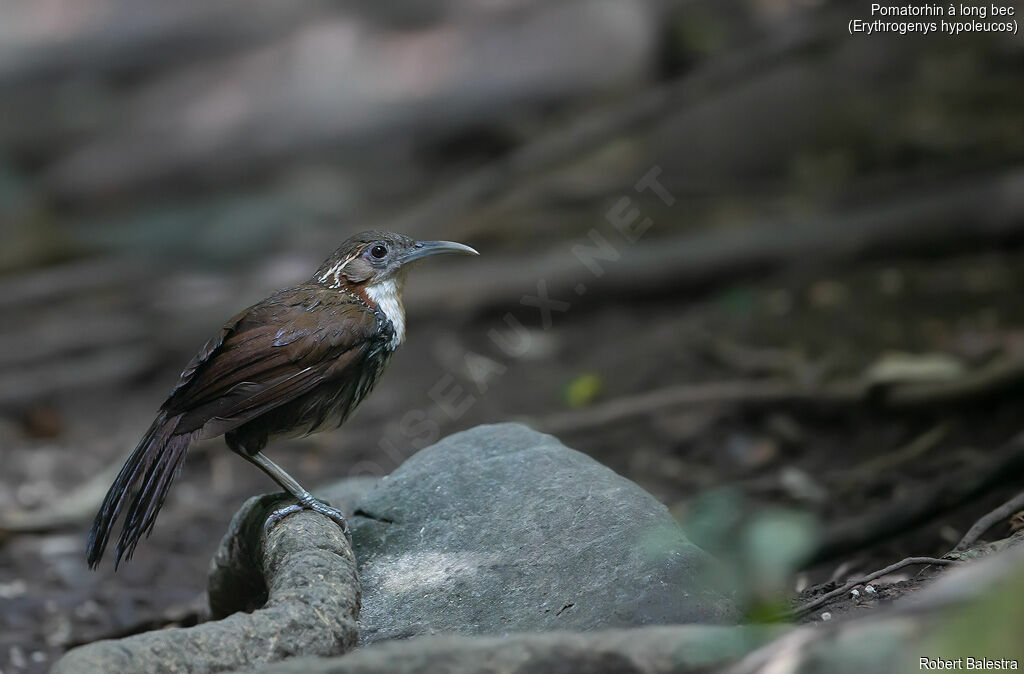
pixel 335 272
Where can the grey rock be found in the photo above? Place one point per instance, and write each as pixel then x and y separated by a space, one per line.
pixel 346 494
pixel 678 649
pixel 502 529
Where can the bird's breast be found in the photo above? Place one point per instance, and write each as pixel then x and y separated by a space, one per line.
pixel 331 403
pixel 387 296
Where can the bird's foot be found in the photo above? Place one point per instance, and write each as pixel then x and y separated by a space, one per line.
pixel 308 504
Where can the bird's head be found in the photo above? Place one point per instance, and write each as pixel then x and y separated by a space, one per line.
pixel 373 259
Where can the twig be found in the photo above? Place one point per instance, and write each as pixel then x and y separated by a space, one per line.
pixel 823 599
pixel 973 387
pixel 996 377
pixel 771 391
pixel 915 448
pixel 911 624
pixel 77 278
pixel 75 507
pixel 899 515
pixel 988 521
pixel 115 364
pixel 69 334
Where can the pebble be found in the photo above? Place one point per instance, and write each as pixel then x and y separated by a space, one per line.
pixel 16 657
pixel 15 588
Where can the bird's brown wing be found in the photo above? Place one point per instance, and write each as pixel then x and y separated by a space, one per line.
pixel 271 354
pixel 211 347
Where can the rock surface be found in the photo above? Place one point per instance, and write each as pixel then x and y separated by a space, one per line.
pixel 970 617
pixel 502 529
pixel 676 649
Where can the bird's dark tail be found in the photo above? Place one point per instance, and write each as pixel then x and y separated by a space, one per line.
pixel 143 483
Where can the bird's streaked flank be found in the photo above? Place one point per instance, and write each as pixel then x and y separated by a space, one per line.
pixel 295 363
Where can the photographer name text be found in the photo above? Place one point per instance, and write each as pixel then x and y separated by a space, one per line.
pixel 967 664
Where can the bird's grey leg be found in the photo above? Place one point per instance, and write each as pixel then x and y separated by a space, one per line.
pixel 306 501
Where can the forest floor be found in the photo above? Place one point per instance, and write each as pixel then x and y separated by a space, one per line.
pixel 833 447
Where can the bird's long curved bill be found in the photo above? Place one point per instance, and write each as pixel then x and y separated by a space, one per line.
pixel 425 248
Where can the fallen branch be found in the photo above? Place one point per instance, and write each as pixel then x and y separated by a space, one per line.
pixel 76 278
pixel 849 477
pixel 990 520
pixel 80 504
pixel 828 596
pixel 74 508
pixel 112 365
pixel 301 579
pixel 899 515
pixel 66 335
pixel 923 222
pixel 995 378
pixel 765 391
pixel 971 388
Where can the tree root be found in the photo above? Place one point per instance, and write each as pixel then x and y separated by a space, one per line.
pixel 840 591
pixel 988 521
pixel 301 581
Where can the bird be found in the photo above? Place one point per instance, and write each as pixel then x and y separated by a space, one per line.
pixel 295 363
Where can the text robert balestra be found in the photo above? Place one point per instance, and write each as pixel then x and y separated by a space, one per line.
pixel 967 663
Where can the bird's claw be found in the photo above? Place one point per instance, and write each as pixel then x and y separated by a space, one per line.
pixel 276 516
pixel 312 504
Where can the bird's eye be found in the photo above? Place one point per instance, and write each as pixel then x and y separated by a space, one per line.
pixel 379 251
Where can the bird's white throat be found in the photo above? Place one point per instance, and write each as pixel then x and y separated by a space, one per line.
pixel 387 295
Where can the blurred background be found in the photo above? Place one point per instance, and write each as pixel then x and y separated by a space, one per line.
pixel 812 323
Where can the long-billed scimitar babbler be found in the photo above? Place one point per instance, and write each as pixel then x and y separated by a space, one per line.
pixel 296 363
